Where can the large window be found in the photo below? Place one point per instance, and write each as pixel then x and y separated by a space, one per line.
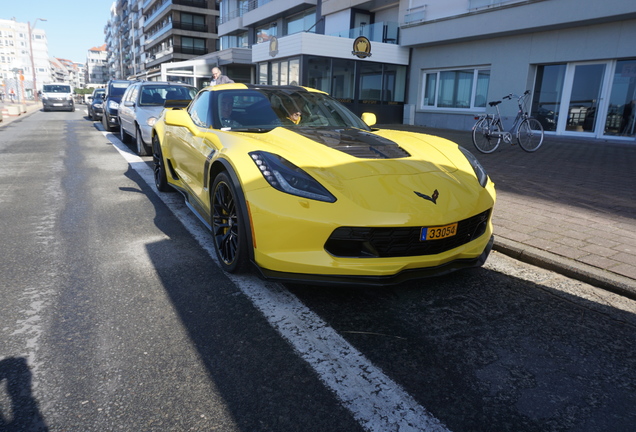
pixel 546 103
pixel 265 33
pixel 319 73
pixel 285 72
pixel 343 79
pixel 192 45
pixel 455 89
pixel 304 21
pixel 621 112
pixel 192 22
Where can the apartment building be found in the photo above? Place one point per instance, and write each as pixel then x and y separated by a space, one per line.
pixel 16 71
pixel 96 66
pixel 438 63
pixel 143 34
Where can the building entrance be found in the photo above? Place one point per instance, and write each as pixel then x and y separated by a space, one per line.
pixel 593 99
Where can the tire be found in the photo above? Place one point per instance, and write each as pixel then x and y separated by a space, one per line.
pixel 123 136
pixel 107 127
pixel 141 148
pixel 159 168
pixel 228 226
pixel 486 135
pixel 530 135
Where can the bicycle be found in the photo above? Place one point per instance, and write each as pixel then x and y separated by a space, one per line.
pixel 489 129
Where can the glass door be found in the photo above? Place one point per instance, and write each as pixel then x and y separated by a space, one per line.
pixel 582 97
pixel 621 110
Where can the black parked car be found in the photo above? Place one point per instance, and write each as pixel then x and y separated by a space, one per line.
pixel 114 91
pixel 96 104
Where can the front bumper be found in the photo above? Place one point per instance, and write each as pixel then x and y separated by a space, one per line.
pixel 111 117
pixel 58 104
pixel 381 280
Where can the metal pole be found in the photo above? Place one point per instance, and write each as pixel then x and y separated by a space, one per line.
pixel 35 87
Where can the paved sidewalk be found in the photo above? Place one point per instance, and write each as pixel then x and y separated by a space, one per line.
pixel 569 207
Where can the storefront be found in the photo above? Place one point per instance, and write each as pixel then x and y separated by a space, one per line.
pixel 236 63
pixel 366 76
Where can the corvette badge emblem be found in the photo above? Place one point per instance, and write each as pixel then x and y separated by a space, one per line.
pixel 432 198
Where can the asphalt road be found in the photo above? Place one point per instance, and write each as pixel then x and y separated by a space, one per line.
pixel 116 316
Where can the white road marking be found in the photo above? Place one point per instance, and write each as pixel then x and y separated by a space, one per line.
pixel 378 403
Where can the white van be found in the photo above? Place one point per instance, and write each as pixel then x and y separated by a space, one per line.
pixel 57 97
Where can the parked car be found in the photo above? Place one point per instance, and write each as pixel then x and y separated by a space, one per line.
pixel 57 97
pixel 95 104
pixel 140 106
pixel 289 179
pixel 114 91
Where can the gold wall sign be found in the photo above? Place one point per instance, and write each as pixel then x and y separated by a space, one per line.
pixel 361 47
pixel 273 46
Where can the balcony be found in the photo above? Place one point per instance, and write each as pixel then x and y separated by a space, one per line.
pixel 385 32
pixel 415 15
pixel 190 50
pixel 474 5
pixel 192 3
pixel 189 26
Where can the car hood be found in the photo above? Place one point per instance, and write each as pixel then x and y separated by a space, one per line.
pixel 385 171
pixel 354 153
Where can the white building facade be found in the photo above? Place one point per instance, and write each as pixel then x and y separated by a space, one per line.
pixel 16 71
pixel 577 57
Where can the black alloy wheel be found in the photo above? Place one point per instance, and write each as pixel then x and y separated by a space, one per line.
pixel 161 181
pixel 228 226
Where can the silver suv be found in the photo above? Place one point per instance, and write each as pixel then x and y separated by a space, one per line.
pixel 142 104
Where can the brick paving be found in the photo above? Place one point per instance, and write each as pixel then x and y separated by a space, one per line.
pixel 571 204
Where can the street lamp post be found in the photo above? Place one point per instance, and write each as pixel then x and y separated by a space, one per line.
pixel 35 87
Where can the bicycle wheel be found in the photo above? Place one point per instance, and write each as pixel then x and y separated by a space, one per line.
pixel 486 135
pixel 530 135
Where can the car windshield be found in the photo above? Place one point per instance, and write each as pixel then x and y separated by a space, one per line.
pixel 56 88
pixel 157 94
pixel 118 89
pixel 266 108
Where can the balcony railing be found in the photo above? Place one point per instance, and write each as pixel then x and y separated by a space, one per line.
pixel 242 9
pixel 192 3
pixel 189 26
pixel 415 15
pixel 189 50
pixel 484 4
pixel 386 32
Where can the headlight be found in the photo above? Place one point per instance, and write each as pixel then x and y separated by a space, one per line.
pixel 480 172
pixel 287 177
pixel 113 105
pixel 151 121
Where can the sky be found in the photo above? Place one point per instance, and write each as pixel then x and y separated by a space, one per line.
pixel 72 26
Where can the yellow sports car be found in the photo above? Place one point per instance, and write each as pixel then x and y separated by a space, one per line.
pixel 287 178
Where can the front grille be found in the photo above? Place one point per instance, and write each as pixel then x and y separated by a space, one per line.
pixel 356 242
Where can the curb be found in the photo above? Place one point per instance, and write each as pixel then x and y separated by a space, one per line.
pixel 23 111
pixel 567 267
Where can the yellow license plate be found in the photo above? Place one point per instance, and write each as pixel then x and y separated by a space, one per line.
pixel 437 233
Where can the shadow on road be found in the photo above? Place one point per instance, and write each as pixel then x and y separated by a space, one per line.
pixel 23 414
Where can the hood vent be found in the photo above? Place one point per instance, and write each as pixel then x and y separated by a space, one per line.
pixel 355 142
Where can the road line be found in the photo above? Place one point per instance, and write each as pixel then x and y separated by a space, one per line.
pixel 378 403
